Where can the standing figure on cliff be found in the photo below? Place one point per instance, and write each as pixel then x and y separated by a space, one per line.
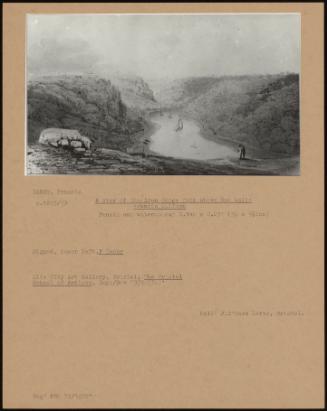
pixel 146 142
pixel 242 151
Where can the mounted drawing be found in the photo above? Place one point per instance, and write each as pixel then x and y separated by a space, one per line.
pixel 167 94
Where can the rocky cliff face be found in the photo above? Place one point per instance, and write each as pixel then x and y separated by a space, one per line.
pixel 135 93
pixel 89 104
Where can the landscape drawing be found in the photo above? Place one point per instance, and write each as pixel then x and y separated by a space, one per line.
pixel 163 94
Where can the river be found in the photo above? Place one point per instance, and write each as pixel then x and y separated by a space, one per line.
pixel 186 143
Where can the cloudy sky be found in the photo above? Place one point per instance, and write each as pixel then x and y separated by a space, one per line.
pixel 155 46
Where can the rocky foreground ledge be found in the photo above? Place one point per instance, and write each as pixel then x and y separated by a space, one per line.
pixel 46 160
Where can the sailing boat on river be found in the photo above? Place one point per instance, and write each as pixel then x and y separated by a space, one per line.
pixel 179 124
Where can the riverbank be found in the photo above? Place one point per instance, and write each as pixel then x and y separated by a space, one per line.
pixel 137 145
pixel 42 159
pixel 282 164
pixel 45 160
pixel 252 150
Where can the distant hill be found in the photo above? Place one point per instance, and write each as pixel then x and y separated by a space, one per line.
pixel 88 103
pixel 260 111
